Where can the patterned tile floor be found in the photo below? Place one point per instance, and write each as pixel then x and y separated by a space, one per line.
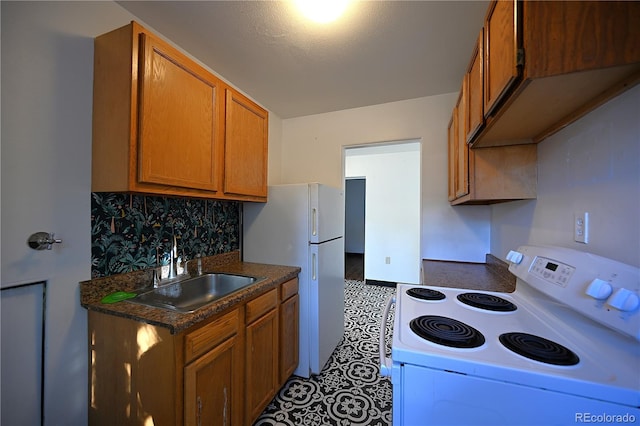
pixel 349 391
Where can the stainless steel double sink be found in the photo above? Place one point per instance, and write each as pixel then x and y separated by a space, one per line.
pixel 193 293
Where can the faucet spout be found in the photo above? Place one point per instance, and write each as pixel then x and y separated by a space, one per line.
pixel 172 259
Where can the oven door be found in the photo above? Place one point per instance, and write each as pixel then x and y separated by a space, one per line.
pixel 424 396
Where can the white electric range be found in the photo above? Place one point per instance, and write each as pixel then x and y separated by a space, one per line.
pixel 563 348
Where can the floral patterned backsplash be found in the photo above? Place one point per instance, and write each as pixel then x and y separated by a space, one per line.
pixel 133 232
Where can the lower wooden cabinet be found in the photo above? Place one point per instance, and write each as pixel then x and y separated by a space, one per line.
pixel 222 372
pixel 212 388
pixel 261 353
pixel 289 330
pixel 261 364
pixel 134 378
pixel 213 372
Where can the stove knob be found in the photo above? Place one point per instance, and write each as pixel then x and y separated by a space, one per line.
pixel 599 289
pixel 624 300
pixel 514 257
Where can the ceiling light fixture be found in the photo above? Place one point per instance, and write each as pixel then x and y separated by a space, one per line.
pixel 322 11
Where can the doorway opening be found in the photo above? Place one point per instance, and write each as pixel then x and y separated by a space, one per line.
pixel 390 201
pixel 354 220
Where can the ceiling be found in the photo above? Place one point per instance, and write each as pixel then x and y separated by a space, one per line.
pixel 378 52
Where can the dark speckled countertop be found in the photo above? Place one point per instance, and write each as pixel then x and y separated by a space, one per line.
pixel 92 292
pixel 493 275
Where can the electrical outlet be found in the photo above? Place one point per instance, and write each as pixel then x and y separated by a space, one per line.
pixel 387 260
pixel 581 227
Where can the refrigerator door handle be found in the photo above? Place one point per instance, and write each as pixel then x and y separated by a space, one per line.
pixel 314 221
pixel 313 267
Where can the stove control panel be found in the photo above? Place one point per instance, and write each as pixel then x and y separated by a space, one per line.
pixel 603 289
pixel 552 271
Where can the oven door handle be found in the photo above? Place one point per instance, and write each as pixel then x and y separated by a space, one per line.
pixel 385 362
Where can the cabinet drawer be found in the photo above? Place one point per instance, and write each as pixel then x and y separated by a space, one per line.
pixel 203 339
pixel 261 305
pixel 289 289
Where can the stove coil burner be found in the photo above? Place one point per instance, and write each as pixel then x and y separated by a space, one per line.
pixel 426 294
pixel 539 349
pixel 446 331
pixel 487 302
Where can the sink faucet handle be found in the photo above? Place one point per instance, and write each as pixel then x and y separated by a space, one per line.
pixel 199 261
pixel 156 279
pixel 181 265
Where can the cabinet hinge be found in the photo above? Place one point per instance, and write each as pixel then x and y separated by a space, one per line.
pixel 520 57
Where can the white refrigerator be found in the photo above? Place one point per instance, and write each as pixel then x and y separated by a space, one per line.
pixel 303 225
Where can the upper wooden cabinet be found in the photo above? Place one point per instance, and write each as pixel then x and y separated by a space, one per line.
pixel 162 125
pixel 246 140
pixel 474 93
pixel 452 133
pixel 461 181
pixel 500 52
pixel 178 135
pixel 548 63
pixel 488 175
pixel 499 174
pixel 458 149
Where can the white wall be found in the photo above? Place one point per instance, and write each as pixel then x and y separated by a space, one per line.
pixel 592 165
pixel 392 209
pixel 47 79
pixel 312 151
pixel 274 168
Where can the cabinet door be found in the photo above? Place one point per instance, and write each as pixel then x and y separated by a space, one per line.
pixel 452 142
pixel 212 387
pixel 289 337
pixel 475 116
pixel 462 149
pixel 177 126
pixel 561 37
pixel 500 52
pixel 261 363
pixel 246 139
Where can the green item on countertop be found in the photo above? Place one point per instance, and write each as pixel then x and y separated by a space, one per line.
pixel 117 297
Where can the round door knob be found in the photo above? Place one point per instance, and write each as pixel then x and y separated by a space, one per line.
pixel 42 241
pixel 599 289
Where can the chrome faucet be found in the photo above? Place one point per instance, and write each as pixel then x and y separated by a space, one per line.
pixel 173 260
pixel 168 273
